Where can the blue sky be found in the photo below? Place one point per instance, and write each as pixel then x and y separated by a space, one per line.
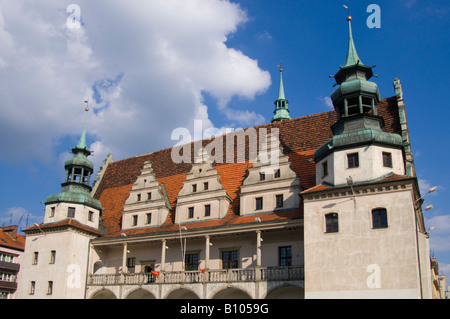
pixel 149 67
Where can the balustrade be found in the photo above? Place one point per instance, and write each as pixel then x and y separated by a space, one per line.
pixel 216 275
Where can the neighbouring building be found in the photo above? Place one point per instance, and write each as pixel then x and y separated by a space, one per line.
pixel 322 206
pixel 12 247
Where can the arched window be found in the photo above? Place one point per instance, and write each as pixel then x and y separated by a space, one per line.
pixel 331 223
pixel 379 218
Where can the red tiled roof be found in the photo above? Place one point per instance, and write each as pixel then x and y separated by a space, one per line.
pixel 66 222
pixel 9 238
pixel 299 138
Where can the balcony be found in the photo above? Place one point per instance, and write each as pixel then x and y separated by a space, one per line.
pixel 9 266
pixel 8 285
pixel 290 273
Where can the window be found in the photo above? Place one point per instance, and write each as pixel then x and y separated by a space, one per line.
pixel 149 196
pixel 148 220
pixel 324 169
pixel 279 201
pixel 32 287
pixel 191 262
pixel 259 203
pixel 285 256
pixel 206 186
pixel 191 212
pixel 230 259
pixel 135 220
pixel 353 160
pixel 138 197
pixel 52 212
pixel 50 288
pixel 194 188
pixel 52 256
pixel 277 174
pixel 91 216
pixel 35 258
pixel 207 210
pixel 262 176
pixel 71 212
pixel 131 264
pixel 387 159
pixel 332 224
pixel 379 218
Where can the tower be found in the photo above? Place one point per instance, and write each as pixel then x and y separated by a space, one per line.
pixel 281 104
pixel 56 251
pixel 364 231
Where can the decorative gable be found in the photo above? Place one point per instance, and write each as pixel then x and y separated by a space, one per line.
pixel 202 196
pixel 147 204
pixel 271 184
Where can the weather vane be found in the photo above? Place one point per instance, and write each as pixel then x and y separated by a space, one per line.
pixel 347 6
pixel 279 65
pixel 87 105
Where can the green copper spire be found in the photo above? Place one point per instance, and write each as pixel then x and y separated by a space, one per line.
pixel 352 55
pixel 76 188
pixel 82 143
pixel 281 104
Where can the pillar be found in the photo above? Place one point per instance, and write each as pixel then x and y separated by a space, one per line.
pixel 163 254
pixel 207 246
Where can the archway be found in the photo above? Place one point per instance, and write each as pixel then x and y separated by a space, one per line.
pixel 232 293
pixel 286 292
pixel 103 294
pixel 182 294
pixel 141 294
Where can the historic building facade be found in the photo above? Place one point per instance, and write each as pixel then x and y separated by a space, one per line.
pixel 322 206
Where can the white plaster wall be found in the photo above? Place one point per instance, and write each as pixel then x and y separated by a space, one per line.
pixel 68 273
pixel 370 165
pixel 342 263
pixel 81 214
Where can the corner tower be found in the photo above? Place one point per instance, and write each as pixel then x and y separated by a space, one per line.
pixel 359 149
pixel 57 250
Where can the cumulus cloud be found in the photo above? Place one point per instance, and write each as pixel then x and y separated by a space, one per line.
pixel 144 66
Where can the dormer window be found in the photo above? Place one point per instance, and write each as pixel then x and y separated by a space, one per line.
pixel 149 196
pixel 191 212
pixel 138 197
pixel 194 188
pixel 259 203
pixel 262 176
pixel 207 210
pixel 205 186
pixel 277 174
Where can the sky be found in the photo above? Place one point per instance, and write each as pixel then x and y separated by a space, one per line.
pixel 150 67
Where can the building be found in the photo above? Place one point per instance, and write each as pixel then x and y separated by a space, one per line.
pixel 322 206
pixel 12 246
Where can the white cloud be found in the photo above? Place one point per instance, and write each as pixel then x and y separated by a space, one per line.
pixel 146 63
pixel 440 235
pixel 327 101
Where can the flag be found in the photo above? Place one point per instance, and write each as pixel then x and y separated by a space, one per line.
pixel 155 273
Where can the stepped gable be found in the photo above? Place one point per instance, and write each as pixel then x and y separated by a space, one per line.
pixel 299 138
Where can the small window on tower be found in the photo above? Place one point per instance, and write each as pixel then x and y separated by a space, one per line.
pixel 52 212
pixel 324 169
pixel 71 212
pixel 387 159
pixel 353 160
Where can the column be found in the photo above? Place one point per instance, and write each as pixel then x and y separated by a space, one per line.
pixel 345 107
pixel 124 260
pixel 163 254
pixel 258 248
pixel 208 244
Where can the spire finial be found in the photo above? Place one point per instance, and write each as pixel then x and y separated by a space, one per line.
pixel 281 104
pixel 82 143
pixel 352 55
